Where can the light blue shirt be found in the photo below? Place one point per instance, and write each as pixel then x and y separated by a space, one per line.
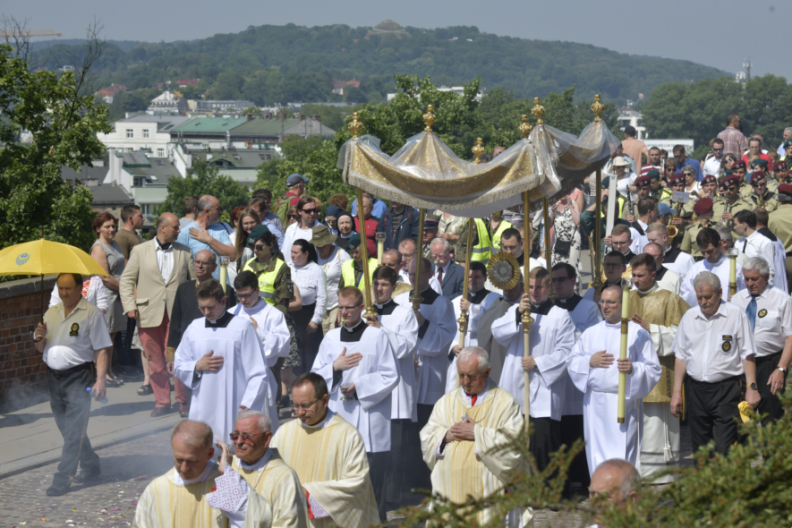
pixel 378 210
pixel 217 231
pixel 274 229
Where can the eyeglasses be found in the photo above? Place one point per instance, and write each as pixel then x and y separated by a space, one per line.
pixel 259 247
pixel 309 211
pixel 246 296
pixel 304 406
pixel 717 150
pixel 610 303
pixel 203 263
pixel 246 438
pixel 292 216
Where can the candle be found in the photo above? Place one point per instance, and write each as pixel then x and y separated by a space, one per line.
pixel 626 286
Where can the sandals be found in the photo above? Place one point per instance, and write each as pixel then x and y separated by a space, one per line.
pixel 145 390
pixel 113 382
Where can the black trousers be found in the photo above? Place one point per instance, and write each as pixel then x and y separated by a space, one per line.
pixel 545 440
pixel 713 413
pixel 394 482
pixel 770 404
pixel 71 405
pixel 378 469
pixel 571 431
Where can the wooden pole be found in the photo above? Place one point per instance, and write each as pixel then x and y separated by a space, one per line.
pixel 526 317
pixel 597 271
pixel 364 254
pixel 416 296
pixel 463 317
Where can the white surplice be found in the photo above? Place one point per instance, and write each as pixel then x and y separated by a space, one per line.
pixel 242 380
pixel 721 268
pixel 434 339
pixel 401 327
pixel 605 437
pixel 471 336
pixel 552 337
pixel 374 377
pixel 275 339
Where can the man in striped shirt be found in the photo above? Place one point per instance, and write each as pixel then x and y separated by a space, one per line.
pixel 652 162
pixel 733 140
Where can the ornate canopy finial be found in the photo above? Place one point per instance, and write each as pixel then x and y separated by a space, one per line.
pixel 525 127
pixel 538 111
pixel 478 151
pixel 429 118
pixel 597 108
pixel 355 126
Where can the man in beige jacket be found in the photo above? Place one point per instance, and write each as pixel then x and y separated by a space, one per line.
pixel 148 287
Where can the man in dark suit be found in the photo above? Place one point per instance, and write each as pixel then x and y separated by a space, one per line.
pixel 398 223
pixel 450 274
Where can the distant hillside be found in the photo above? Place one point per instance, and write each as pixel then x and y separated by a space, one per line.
pixel 125 45
pixel 278 64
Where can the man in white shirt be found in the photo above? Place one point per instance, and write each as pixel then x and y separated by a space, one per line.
pixel 673 258
pixel 712 164
pixel 72 337
pixel 714 347
pixel 715 261
pixel 769 312
pixel 753 243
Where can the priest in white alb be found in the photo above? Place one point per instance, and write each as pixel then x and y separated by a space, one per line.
pixel 594 369
pixel 181 497
pixel 256 469
pixel 358 364
pixel 552 336
pixel 463 442
pixel 329 457
pixel 221 360
pixel 478 301
pixel 401 327
pixel 271 329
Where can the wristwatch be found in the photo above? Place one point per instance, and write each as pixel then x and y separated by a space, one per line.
pixel 753 386
pixel 782 369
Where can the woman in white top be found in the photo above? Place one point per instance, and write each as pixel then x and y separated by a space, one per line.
pixel 93 291
pixel 691 185
pixel 308 276
pixel 300 230
pixel 331 257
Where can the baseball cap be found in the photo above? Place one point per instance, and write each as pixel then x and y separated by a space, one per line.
pixel 663 209
pixel 295 179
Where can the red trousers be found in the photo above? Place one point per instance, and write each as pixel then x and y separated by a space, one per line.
pixel 154 342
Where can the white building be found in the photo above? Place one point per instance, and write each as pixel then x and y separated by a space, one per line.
pixel 168 103
pixel 630 117
pixel 143 131
pixel 459 90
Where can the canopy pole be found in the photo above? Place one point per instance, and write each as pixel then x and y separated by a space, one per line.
pixel 416 296
pixel 597 271
pixel 526 317
pixel 548 249
pixel 364 254
pixel 463 317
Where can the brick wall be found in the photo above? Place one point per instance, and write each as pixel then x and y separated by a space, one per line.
pixel 21 367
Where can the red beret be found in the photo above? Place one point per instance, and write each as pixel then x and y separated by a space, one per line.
pixel 709 179
pixel 704 205
pixel 785 188
pixel 739 164
pixel 643 181
pixel 675 178
pixel 730 180
pixel 779 166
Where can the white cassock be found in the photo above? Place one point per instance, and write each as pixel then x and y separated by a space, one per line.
pixel 605 437
pixel 721 268
pixel 584 314
pixel 434 338
pixel 497 352
pixel 668 280
pixel 169 501
pixel 374 377
pixel 400 325
pixel 678 261
pixel 639 242
pixel 461 469
pixel 274 335
pixel 471 336
pixel 330 460
pixel 242 380
pixel 552 337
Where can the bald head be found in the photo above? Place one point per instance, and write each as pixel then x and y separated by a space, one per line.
pixel 167 228
pixel 192 433
pixel 656 251
pixel 610 303
pixel 167 219
pixel 617 480
pixel 191 442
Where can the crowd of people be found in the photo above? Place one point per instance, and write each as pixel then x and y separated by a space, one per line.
pixel 388 397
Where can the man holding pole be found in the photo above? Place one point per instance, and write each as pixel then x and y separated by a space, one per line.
pixel 595 372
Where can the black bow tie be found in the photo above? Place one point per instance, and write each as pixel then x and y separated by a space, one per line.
pixel 166 246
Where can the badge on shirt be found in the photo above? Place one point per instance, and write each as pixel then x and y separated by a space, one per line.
pixel 75 328
pixel 762 312
pixel 726 346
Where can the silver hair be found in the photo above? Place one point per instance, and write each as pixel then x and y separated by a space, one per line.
pixel 195 434
pixel 725 234
pixel 204 204
pixel 631 479
pixel 480 354
pixel 446 244
pixel 788 129
pixel 757 264
pixel 707 278
pixel 265 424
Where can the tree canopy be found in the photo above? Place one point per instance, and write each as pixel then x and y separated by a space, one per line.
pixel 203 179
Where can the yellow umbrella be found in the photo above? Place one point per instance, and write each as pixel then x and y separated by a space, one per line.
pixel 42 257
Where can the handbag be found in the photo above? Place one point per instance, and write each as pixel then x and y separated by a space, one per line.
pixel 562 248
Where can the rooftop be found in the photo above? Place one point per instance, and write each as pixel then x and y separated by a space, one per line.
pixel 85 173
pixel 161 168
pixel 202 125
pixel 264 127
pixel 110 194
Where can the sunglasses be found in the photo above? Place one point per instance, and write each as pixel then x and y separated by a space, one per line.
pixel 309 211
pixel 293 216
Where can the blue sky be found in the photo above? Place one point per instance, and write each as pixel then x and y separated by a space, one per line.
pixel 709 33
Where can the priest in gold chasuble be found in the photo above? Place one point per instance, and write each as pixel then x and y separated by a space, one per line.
pixel 466 427
pixel 659 313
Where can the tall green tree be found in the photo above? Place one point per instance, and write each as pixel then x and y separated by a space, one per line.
pixel 203 179
pixel 63 122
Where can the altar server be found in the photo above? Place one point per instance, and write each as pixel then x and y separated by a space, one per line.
pixel 479 300
pixel 271 329
pixel 221 360
pixel 552 337
pixel 329 457
pixel 180 497
pixel 714 261
pixel 595 371
pixel 465 431
pixel 255 468
pixel 400 325
pixel 358 364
